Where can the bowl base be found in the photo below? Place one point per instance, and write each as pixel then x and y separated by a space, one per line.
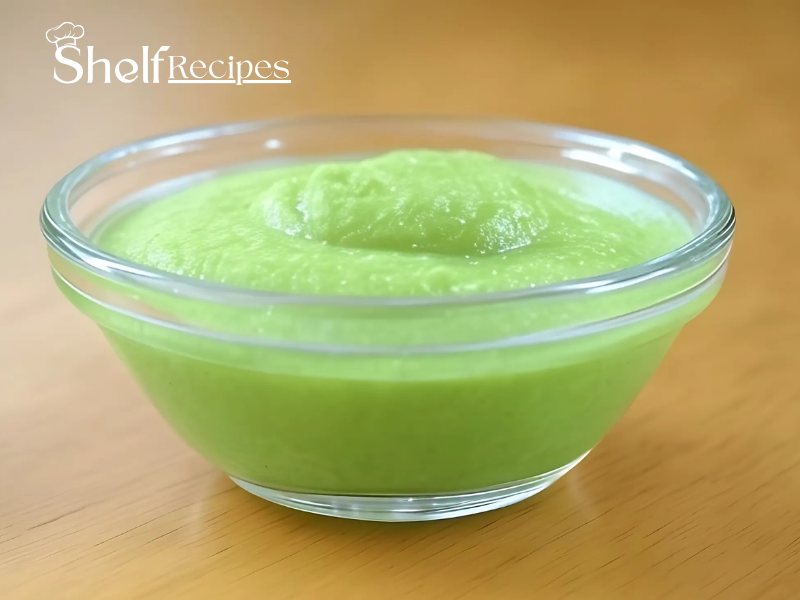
pixel 409 508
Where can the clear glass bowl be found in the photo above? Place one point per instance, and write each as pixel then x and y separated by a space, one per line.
pixel 395 409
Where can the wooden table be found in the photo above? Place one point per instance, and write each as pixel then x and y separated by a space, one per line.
pixel 695 494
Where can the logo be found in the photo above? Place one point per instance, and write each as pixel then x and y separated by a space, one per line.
pixel 64 35
pixel 177 68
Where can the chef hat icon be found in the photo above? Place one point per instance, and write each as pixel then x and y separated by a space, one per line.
pixel 64 35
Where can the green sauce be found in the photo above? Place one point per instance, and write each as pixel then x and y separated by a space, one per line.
pixel 405 224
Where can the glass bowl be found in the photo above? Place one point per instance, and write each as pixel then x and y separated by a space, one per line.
pixel 392 409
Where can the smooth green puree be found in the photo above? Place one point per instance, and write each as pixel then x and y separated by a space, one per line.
pixel 407 223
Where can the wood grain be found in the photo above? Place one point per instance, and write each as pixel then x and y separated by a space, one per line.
pixel 694 494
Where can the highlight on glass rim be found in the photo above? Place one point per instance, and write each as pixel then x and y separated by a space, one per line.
pixel 410 301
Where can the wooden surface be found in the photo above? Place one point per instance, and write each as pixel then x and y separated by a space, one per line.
pixel 695 494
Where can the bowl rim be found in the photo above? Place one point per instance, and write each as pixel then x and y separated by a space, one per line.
pixel 64 236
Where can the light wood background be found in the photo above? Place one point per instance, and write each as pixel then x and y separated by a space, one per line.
pixel 695 494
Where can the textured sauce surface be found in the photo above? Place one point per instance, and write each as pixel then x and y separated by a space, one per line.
pixel 414 222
